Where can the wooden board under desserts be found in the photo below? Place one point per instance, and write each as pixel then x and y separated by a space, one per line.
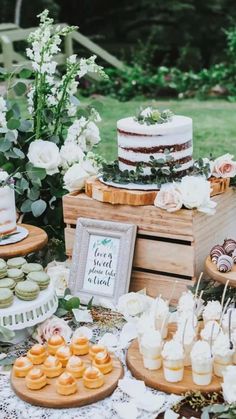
pixel 48 397
pixel 213 272
pixel 156 380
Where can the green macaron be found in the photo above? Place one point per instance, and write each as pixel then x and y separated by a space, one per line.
pixel 6 297
pixel 16 274
pixel 27 290
pixel 41 278
pixel 3 269
pixel 7 283
pixel 32 267
pixel 16 262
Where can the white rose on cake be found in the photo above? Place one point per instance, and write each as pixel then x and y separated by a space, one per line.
pixel 224 166
pixel 44 155
pixel 169 198
pixel 195 192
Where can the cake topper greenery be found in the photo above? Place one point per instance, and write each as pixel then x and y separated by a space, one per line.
pixel 152 116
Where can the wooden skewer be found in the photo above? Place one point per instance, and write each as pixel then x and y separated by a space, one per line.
pixel 198 284
pixel 185 325
pixel 172 293
pixel 224 292
pixel 224 309
pixel 211 339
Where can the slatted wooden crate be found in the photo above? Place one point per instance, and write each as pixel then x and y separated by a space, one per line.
pixel 169 247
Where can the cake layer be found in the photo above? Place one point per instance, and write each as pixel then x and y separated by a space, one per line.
pixel 178 124
pixel 7 210
pixel 144 156
pixel 128 140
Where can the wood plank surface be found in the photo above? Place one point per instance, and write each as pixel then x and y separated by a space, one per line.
pixel 48 396
pixel 35 241
pixel 155 379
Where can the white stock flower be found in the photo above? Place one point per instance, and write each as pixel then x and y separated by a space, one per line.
pixel 45 155
pixel 132 304
pixel 71 109
pixel 72 59
pixel 83 132
pixel 169 198
pixel 70 153
pixel 3 110
pixel 195 192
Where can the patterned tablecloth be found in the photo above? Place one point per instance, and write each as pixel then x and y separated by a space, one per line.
pixel 11 407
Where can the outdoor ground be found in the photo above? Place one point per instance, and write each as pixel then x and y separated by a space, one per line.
pixel 214 123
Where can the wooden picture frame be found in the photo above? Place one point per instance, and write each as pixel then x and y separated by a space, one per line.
pixel 102 260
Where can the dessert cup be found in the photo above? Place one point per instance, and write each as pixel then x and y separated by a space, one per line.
pixel 223 354
pixel 202 363
pixel 173 361
pixel 151 346
pixel 221 363
pixel 212 311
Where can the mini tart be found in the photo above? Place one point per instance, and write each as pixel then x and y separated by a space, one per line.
pixel 75 366
pixel 52 367
pixel 95 349
pixel 54 343
pixel 22 366
pixel 103 362
pixel 37 354
pixel 93 378
pixel 36 379
pixel 63 354
pixel 80 345
pixel 66 384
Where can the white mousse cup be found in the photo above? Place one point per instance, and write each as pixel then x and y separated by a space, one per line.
pixel 221 363
pixel 173 370
pixel 202 371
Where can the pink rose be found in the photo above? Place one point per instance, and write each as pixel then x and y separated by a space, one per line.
pixel 52 326
pixel 224 166
pixel 169 198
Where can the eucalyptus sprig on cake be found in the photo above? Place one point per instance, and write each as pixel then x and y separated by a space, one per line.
pixel 51 146
pixel 152 116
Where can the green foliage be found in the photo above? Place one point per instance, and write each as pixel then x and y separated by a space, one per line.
pixel 223 411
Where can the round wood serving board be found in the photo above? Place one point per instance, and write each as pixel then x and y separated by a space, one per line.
pixel 103 193
pixel 155 379
pixel 48 396
pixel 212 270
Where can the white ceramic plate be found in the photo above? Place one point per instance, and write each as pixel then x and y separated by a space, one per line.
pixel 131 186
pixel 20 234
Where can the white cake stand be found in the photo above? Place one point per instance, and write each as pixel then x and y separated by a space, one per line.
pixel 22 315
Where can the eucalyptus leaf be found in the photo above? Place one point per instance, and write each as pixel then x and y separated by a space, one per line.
pixel 73 302
pixel 11 136
pixel 5 145
pixel 38 207
pixel 20 88
pixel 19 153
pixel 13 123
pixel 61 312
pixel 24 184
pixel 33 193
pixel 26 206
pixel 6 334
pixel 25 73
pixel 25 125
pixel 90 304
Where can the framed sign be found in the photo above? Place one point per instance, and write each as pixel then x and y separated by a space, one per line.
pixel 102 260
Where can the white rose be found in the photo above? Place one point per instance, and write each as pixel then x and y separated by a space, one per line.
pixel 45 155
pixel 169 198
pixel 75 177
pixel 132 304
pixel 195 191
pixel 88 166
pixel 53 326
pixel 59 276
pixel 224 166
pixel 147 111
pixel 71 153
pixel 229 384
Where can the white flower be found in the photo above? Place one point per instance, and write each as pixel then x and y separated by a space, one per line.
pixel 195 192
pixel 90 136
pixel 71 153
pixel 44 154
pixel 3 105
pixel 95 115
pixel 72 59
pixel 224 166
pixel 75 177
pixel 50 327
pixel 71 109
pixel 229 384
pixel 89 167
pixel 132 304
pixel 59 276
pixel 146 112
pixel 169 198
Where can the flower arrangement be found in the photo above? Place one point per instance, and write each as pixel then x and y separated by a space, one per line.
pixel 49 146
pixel 150 116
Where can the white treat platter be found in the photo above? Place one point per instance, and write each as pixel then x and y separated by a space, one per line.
pixel 23 314
pixel 131 186
pixel 20 234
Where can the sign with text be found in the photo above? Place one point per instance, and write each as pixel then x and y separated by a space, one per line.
pixel 101 265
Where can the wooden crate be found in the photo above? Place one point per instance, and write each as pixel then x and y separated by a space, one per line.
pixel 169 247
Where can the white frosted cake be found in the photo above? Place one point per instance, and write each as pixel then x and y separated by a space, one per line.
pixel 7 206
pixel 138 141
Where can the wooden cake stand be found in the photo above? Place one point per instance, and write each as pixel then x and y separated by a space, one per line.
pixel 155 379
pixel 35 241
pixel 213 272
pixel 48 397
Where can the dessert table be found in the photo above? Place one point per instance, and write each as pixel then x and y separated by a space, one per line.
pixel 11 407
pixel 36 240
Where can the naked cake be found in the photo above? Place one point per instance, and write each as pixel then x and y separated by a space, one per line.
pixel 151 135
pixel 7 206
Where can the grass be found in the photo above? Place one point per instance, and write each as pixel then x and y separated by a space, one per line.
pixel 214 124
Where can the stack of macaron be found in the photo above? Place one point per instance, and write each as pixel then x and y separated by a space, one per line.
pixel 24 279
